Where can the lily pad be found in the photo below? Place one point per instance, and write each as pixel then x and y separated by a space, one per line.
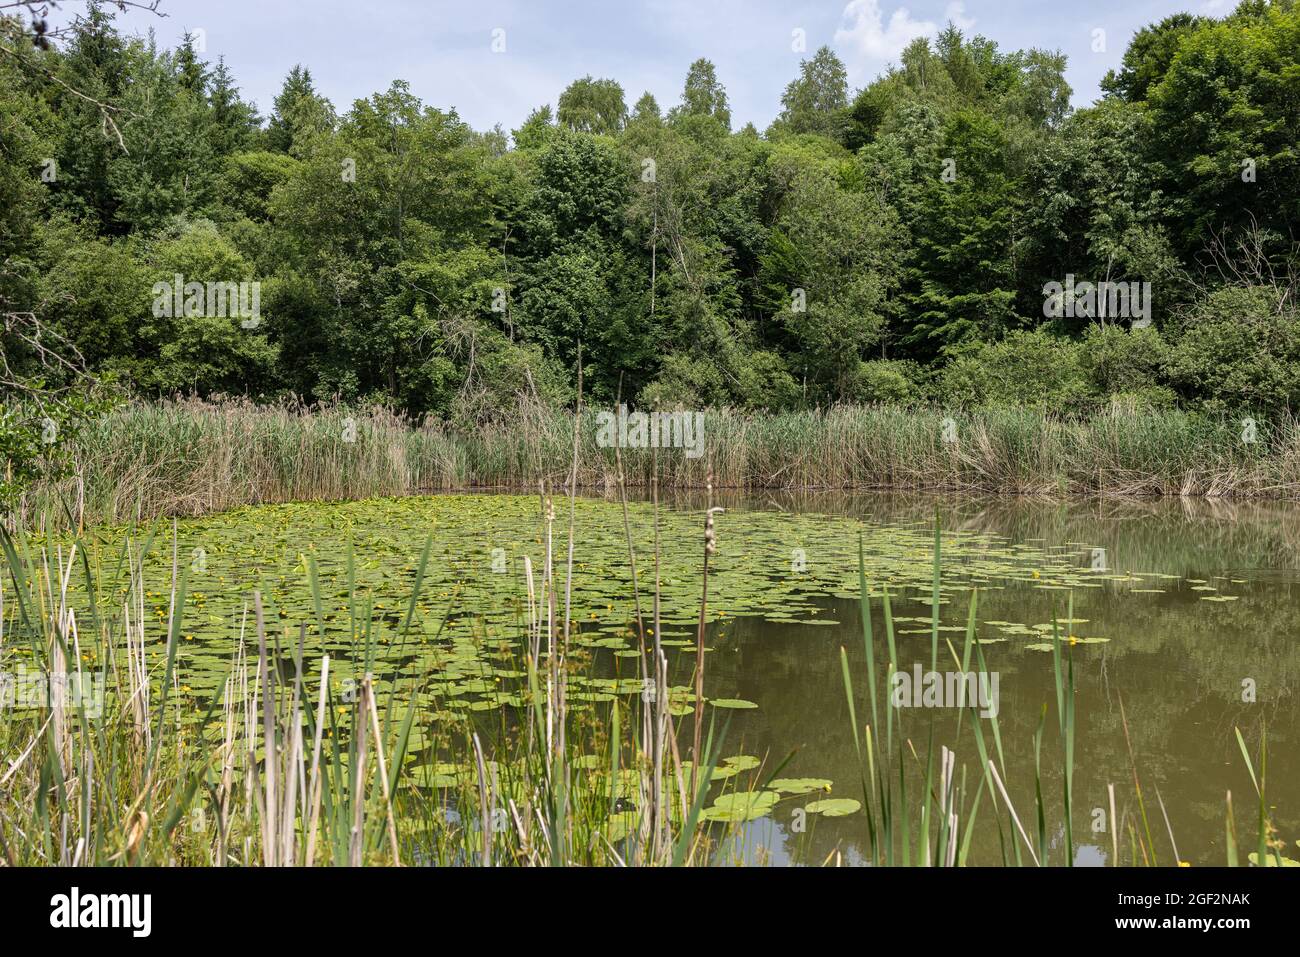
pixel 800 785
pixel 834 807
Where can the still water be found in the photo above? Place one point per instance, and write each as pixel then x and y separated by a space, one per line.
pixel 1186 670
pixel 1187 613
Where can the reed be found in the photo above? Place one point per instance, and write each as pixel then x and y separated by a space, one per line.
pixel 189 457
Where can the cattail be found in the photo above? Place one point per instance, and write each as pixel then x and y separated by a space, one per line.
pixel 710 536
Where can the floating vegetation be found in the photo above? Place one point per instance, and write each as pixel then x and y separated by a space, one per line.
pixel 345 569
pixel 409 633
pixel 834 807
pixel 799 785
pixel 742 806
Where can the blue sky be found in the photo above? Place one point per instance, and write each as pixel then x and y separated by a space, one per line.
pixel 444 49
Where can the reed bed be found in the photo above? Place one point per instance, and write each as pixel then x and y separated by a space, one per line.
pixel 190 457
pixel 280 765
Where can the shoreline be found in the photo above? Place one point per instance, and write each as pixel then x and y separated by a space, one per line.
pixel 191 457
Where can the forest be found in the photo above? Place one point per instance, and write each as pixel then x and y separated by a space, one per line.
pixel 905 243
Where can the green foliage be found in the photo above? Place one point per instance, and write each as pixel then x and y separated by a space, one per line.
pixel 1229 129
pixel 960 285
pixel 1149 55
pixel 299 114
pixel 889 244
pixel 703 95
pixel 1239 349
pixel 37 435
pixel 593 106
pixel 832 262
pixel 813 103
pixel 890 381
pixel 1031 369
pixel 1126 362
pixel 201 353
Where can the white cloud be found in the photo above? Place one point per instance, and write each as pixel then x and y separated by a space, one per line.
pixel 956 12
pixel 865 32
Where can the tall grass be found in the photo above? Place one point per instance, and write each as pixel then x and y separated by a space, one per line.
pixel 190 457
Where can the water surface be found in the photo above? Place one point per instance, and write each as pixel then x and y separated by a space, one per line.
pixel 1185 612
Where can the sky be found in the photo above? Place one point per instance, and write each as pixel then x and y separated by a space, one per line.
pixel 445 49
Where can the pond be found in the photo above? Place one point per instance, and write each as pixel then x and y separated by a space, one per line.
pixel 1186 612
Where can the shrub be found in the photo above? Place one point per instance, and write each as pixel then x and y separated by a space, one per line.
pixel 1026 368
pixel 1238 350
pixel 885 380
pixel 1122 361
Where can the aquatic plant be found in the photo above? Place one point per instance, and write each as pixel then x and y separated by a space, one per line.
pixel 321 722
pixel 191 457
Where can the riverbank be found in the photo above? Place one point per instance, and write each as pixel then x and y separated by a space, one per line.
pixel 191 457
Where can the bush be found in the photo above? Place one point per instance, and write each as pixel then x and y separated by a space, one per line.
pixel 1238 350
pixel 1030 369
pixel 766 383
pixel 885 380
pixel 685 383
pixel 1122 361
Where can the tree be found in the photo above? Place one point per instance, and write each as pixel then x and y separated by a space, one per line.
pixel 1149 55
pixel 193 76
pixel 593 106
pixel 535 130
pixel 233 124
pixel 1229 132
pixel 813 103
pixel 832 263
pixel 646 110
pixel 167 169
pixel 198 348
pixel 92 72
pixel 961 283
pixel 298 113
pixel 703 95
pixel 581 184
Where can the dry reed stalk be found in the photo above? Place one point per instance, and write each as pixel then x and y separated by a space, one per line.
pixel 709 548
pixel 267 685
pixel 367 691
pixel 314 790
pixel 485 799
pixel 1011 808
pixel 357 834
